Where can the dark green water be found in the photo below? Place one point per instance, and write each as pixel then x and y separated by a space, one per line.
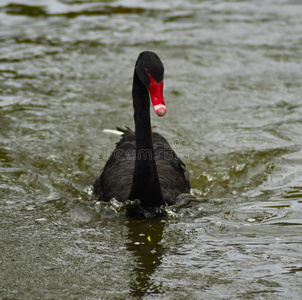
pixel 233 94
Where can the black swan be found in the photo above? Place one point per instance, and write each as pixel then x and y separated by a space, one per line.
pixel 143 166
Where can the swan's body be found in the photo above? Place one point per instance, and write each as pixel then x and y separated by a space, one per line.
pixel 144 166
pixel 115 180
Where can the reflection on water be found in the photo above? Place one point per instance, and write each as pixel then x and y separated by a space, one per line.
pixel 233 95
pixel 145 244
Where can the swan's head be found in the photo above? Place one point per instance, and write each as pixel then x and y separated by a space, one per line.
pixel 150 71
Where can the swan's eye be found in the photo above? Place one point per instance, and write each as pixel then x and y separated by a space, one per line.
pixel 147 72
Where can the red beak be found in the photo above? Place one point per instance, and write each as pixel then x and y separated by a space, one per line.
pixel 157 98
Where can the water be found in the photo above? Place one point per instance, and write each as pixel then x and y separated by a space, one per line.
pixel 233 94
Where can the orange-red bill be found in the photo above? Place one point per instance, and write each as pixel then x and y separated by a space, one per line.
pixel 157 97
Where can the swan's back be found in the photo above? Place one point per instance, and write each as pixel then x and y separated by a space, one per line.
pixel 115 180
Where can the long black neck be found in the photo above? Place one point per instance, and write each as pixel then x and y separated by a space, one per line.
pixel 145 184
